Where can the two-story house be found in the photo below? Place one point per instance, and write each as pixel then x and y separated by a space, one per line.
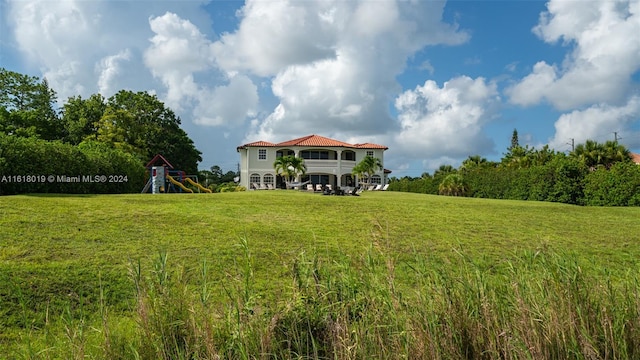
pixel 328 161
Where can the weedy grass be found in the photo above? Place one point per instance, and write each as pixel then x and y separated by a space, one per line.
pixel 286 274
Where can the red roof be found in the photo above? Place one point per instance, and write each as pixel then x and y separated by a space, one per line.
pixel 155 159
pixel 635 158
pixel 313 140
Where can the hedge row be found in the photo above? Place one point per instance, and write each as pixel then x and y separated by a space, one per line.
pixel 30 165
pixel 561 180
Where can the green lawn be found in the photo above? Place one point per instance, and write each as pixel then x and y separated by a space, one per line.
pixel 57 251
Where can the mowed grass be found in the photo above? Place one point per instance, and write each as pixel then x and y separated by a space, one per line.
pixel 73 255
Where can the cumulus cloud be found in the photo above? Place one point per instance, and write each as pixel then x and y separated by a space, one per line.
pixel 275 34
pixel 605 54
pixel 227 104
pixel 178 51
pixel 593 122
pixel 446 122
pixel 344 75
pixel 84 47
pixel 110 68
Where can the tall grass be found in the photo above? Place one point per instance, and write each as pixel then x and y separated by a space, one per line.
pixel 532 305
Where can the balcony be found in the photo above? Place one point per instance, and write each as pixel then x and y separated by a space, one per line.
pixel 328 166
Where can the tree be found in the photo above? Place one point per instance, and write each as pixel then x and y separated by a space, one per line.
pixel 444 170
pixel 289 166
pixel 80 117
pixel 590 153
pixel 518 157
pixel 141 124
pixel 593 154
pixel 453 185
pixel 514 140
pixel 614 153
pixel 31 104
pixel 474 162
pixel 367 166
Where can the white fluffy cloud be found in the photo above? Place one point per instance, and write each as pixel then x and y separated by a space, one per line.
pixel 342 73
pixel 605 54
pixel 179 51
pixel 596 121
pixel 227 104
pixel 446 122
pixel 109 68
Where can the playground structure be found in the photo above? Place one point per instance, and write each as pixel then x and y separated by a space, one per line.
pixel 163 179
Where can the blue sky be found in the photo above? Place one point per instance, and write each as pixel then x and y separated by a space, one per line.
pixel 434 81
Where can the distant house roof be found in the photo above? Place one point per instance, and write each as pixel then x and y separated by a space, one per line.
pixel 635 158
pixel 313 140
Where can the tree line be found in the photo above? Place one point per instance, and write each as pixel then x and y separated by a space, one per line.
pixel 93 135
pixel 593 173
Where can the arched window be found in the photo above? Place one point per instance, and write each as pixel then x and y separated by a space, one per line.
pixel 268 179
pixel 254 179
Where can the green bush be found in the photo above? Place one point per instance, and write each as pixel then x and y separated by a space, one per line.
pixel 617 186
pixel 31 165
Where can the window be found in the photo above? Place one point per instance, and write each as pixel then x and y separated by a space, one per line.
pixel 268 179
pixel 319 179
pixel 282 153
pixel 370 153
pixel 349 155
pixel 316 154
pixel 262 154
pixel 375 179
pixel 254 178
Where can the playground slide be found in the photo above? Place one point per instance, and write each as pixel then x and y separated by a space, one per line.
pixel 178 183
pixel 202 188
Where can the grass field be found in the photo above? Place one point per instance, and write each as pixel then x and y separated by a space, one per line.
pixel 77 274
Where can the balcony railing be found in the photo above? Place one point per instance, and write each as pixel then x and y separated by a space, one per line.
pixel 328 165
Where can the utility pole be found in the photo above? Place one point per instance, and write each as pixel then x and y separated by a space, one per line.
pixel 573 144
pixel 615 137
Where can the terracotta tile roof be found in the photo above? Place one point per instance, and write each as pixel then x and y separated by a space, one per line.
pixel 256 144
pixel 370 146
pixel 313 140
pixel 635 158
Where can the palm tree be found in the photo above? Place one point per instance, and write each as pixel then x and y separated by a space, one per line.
pixel 614 152
pixel 453 185
pixel 368 166
pixel 473 162
pixel 289 166
pixel 444 170
pixel 589 153
pixel 593 154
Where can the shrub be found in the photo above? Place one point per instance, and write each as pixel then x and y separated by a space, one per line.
pixel 49 161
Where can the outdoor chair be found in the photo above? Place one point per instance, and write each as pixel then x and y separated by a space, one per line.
pixel 309 187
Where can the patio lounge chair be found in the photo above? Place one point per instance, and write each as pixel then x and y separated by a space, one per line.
pixel 318 187
pixel 385 187
pixel 309 187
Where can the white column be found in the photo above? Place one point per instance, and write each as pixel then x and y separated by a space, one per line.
pixel 339 175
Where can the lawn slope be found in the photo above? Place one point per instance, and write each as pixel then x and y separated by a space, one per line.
pixel 75 255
